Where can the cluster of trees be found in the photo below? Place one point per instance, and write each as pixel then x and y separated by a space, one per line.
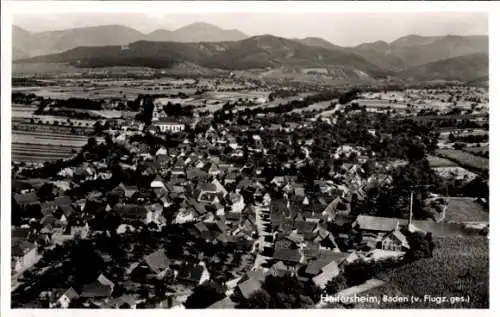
pixel 358 272
pixel 68 114
pixel 421 245
pixel 29 82
pixel 71 103
pixel 393 200
pixel 348 96
pixel 294 104
pixel 282 292
pixel 281 93
pixel 178 110
pixel 25 99
pixel 123 60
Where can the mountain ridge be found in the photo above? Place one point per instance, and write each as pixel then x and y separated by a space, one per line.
pixel 163 48
pixel 30 44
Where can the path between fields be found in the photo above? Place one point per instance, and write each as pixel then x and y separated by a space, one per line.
pixel 355 290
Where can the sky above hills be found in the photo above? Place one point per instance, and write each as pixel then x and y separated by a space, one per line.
pixel 347 29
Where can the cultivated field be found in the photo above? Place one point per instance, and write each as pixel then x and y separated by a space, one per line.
pixel 25 152
pixel 435 161
pixel 45 138
pixel 459 267
pixel 22 111
pixel 369 103
pixel 464 209
pixel 483 151
pixel 465 159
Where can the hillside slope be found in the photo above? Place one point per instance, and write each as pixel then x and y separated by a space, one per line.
pixel 463 68
pixel 256 52
pixel 59 41
pixel 29 44
pixel 416 50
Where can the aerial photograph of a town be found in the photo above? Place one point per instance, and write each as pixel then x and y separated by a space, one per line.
pixel 247 161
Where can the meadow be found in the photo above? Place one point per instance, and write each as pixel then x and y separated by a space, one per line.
pixel 436 161
pixel 483 151
pixel 464 209
pixel 465 159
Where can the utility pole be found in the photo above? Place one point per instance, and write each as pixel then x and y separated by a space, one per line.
pixel 412 189
pixel 411 208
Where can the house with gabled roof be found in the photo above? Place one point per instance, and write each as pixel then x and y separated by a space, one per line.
pixel 66 298
pixel 101 287
pixel 124 301
pixel 290 257
pixel 328 273
pixel 131 212
pixel 335 207
pixel 219 187
pixel 212 169
pixel 158 182
pixel 394 241
pixel 126 191
pixel 24 255
pixel 197 174
pixel 225 303
pixel 206 193
pixel 157 261
pixel 193 274
pixel 27 199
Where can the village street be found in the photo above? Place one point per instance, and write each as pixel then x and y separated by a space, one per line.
pixel 260 244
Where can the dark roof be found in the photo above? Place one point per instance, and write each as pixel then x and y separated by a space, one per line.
pixel 248 287
pixel 235 216
pixel 311 250
pixel 191 273
pixel 157 261
pixel 67 210
pixel 207 187
pixel 19 233
pixel 288 255
pixel 201 226
pixel 131 211
pixel 63 201
pixel 96 289
pixel 126 300
pixel 200 209
pixel 21 247
pixel 257 275
pixel 304 226
pixel 225 303
pixel 48 206
pixel 245 182
pixel 49 220
pixel 18 186
pixel 26 199
pixel 166 120
pixel 315 266
pixel 193 173
pixel 71 293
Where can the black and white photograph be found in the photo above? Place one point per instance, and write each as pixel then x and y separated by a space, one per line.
pixel 238 159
